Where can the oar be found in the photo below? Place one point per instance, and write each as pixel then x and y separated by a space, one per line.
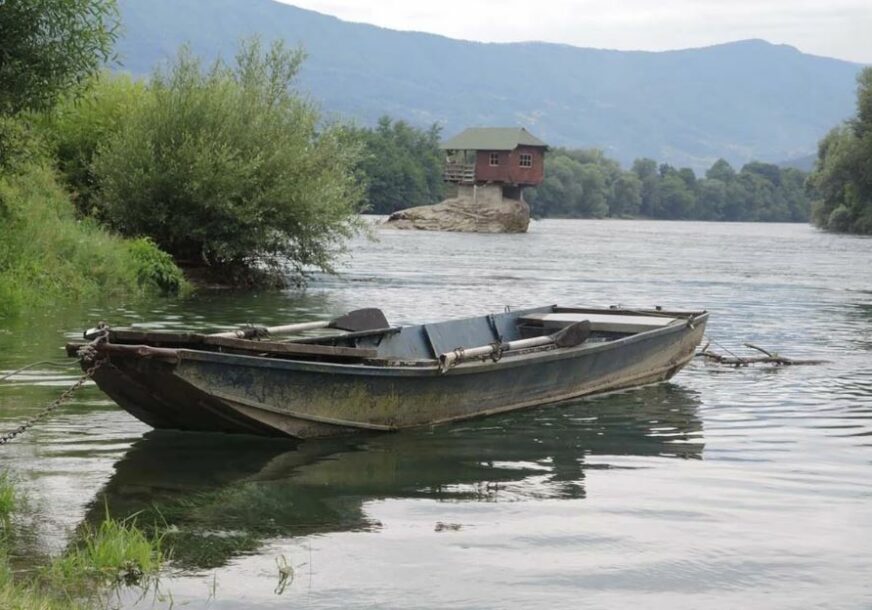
pixel 569 336
pixel 358 320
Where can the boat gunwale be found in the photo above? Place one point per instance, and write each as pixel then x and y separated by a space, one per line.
pixel 431 367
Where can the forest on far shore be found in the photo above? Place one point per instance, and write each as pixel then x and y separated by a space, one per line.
pixel 402 167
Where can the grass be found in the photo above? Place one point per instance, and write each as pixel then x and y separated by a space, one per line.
pixel 103 557
pixel 17 597
pixel 8 502
pixel 114 552
pixel 49 256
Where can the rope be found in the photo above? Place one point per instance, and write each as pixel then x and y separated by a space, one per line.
pixel 59 364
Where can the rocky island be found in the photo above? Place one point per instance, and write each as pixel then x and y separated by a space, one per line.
pixel 475 209
pixel 490 167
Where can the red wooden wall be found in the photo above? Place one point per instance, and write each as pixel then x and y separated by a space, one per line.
pixel 509 169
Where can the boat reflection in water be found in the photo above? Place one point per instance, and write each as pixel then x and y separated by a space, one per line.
pixel 223 495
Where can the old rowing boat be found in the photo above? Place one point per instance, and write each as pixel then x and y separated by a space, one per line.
pixel 373 376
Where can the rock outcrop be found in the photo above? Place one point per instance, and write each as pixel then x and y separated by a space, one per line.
pixel 480 209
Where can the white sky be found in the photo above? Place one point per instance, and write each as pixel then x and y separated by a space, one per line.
pixel 834 28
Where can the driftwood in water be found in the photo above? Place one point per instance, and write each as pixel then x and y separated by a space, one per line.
pixel 767 358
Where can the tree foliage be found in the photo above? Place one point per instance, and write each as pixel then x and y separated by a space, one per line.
pixel 401 164
pixel 587 184
pixel 843 173
pixel 47 47
pixel 577 183
pixel 228 166
pixel 80 123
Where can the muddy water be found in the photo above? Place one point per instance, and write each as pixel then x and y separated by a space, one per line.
pixel 721 488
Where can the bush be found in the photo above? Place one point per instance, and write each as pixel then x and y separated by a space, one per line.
pixel 229 167
pixel 155 269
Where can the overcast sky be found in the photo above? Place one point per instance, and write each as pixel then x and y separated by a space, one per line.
pixel 834 28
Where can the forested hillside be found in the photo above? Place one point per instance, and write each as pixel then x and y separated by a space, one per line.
pixel 742 101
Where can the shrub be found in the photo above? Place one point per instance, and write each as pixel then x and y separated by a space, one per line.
pixel 155 268
pixel 229 167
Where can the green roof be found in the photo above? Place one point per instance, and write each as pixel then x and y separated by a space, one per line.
pixel 492 138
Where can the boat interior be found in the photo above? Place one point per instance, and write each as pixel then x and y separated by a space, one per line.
pixel 411 345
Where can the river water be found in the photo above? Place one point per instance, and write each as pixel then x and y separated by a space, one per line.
pixel 722 488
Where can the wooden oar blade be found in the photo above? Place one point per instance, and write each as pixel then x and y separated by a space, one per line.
pixel 359 320
pixel 572 335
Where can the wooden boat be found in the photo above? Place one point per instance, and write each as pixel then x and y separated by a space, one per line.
pixel 374 376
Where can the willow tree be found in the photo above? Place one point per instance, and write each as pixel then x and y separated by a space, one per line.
pixel 50 46
pixel 230 168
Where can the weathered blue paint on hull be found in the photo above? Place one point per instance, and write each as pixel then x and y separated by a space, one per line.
pixel 211 391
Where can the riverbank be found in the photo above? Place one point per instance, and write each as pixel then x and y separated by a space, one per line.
pixel 49 257
pixel 102 557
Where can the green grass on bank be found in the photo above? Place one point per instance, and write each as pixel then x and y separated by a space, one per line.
pixel 8 503
pixel 113 553
pixel 49 256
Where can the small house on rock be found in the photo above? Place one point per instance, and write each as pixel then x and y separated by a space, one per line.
pixel 490 166
pixel 510 157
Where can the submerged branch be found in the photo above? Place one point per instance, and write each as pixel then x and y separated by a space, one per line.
pixel 768 358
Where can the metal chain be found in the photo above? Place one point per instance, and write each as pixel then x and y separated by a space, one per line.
pixel 87 353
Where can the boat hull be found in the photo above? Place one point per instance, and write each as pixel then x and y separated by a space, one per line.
pixel 212 391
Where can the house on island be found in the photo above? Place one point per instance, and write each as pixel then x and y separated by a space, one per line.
pixel 490 167
pixel 506 159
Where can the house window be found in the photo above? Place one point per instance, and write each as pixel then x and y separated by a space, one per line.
pixel 526 160
pixel 494 159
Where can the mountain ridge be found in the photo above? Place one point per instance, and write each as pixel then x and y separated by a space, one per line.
pixel 743 100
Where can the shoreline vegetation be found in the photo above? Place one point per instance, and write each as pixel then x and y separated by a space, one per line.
pixel 98 560
pixel 843 172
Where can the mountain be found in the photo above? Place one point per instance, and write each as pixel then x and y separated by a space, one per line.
pixel 741 101
pixel 804 163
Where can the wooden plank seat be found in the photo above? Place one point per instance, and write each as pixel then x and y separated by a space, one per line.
pixel 599 322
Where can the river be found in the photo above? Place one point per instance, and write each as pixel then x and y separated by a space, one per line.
pixel 722 488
